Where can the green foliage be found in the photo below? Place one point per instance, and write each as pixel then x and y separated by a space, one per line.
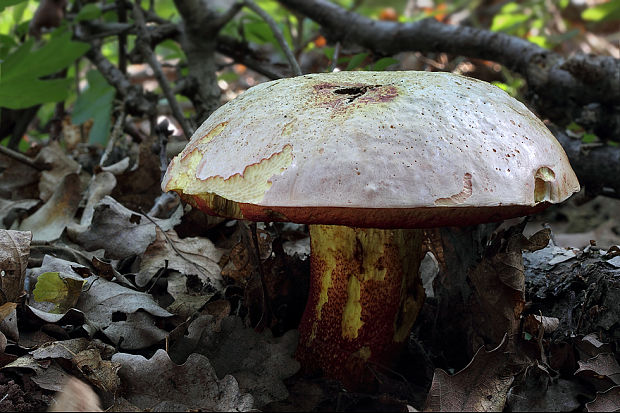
pixel 21 85
pixel 7 3
pixel 512 85
pixel 383 63
pixel 528 19
pixel 356 61
pixel 88 12
pixel 509 19
pixel 95 103
pixel 52 288
pixel 603 12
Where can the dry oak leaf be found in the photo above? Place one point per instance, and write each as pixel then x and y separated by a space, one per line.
pixel 190 256
pixel 49 221
pixel 481 386
pixel 121 231
pixel 607 401
pixel 602 370
pixel 160 385
pixel 14 253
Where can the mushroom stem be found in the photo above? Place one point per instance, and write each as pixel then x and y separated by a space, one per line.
pixel 365 294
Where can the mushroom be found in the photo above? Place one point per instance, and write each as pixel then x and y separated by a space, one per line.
pixel 367 159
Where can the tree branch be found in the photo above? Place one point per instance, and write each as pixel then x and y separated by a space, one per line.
pixel 142 43
pixel 295 69
pixel 598 168
pixel 198 40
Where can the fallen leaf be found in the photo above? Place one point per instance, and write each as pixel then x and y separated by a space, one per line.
pixel 160 385
pixel 185 304
pixel 48 223
pixel 101 373
pixel 48 375
pixel 602 370
pixel 533 323
pixel 607 401
pixel 100 302
pixel 8 323
pixel 59 165
pixel 14 253
pixel 258 361
pixel 62 291
pixel 498 291
pixel 120 231
pixel 139 186
pixel 480 387
pixel 136 332
pixel 17 179
pixel 102 299
pixel 590 346
pixel 10 210
pixel 100 185
pixel 189 256
pixel 65 349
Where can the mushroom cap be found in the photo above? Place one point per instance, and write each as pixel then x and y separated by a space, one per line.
pixel 373 149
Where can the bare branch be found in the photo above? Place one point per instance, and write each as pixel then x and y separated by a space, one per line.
pixel 295 69
pixel 20 157
pixel 598 168
pixel 142 43
pixel 228 15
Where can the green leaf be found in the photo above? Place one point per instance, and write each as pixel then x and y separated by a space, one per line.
pixel 589 138
pixel 527 336
pixel 20 73
pixel 95 103
pixel 52 288
pixel 603 11
pixel 356 61
pixel 541 41
pixel 18 11
pixel 57 54
pixel 504 22
pixel 7 3
pixel 90 11
pixel 384 63
pixel 259 32
pixel 6 44
pixel 16 95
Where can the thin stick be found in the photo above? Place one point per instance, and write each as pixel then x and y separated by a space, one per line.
pixel 278 35
pixel 19 157
pixel 145 49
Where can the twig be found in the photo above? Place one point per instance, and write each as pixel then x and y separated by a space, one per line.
pixel 228 15
pixel 117 130
pixel 278 35
pixel 143 44
pixel 253 249
pixel 122 37
pixel 335 57
pixel 19 157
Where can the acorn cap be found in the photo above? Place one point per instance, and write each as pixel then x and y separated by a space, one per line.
pixel 373 149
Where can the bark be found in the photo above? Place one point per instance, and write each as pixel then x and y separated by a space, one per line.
pixel 200 27
pixel 597 167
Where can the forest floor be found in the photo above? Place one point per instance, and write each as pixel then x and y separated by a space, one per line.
pixel 168 312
